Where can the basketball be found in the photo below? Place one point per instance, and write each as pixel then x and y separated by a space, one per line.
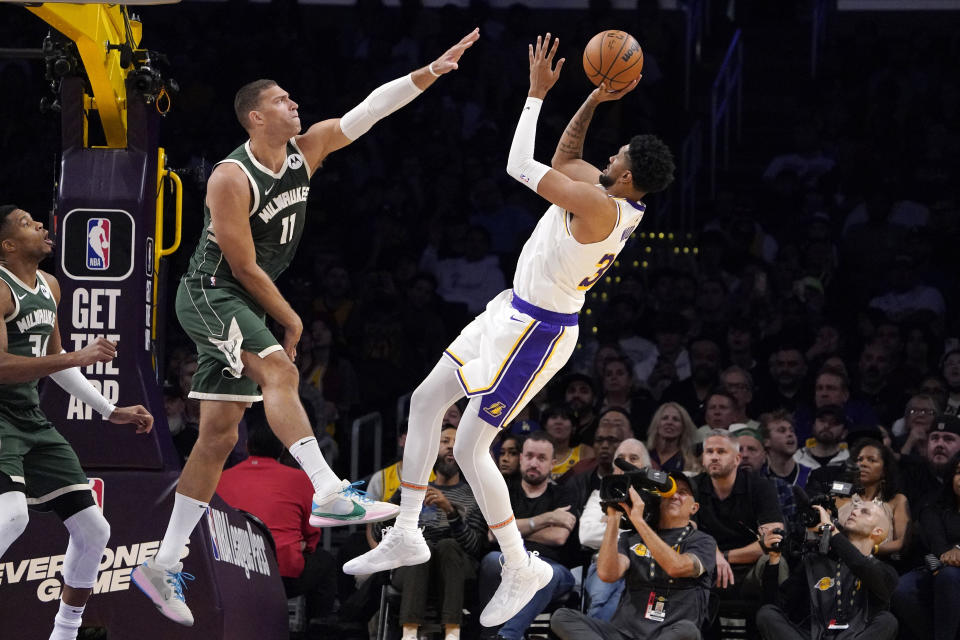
pixel 613 57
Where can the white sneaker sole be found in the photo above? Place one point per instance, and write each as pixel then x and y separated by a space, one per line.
pixel 151 592
pixel 544 576
pixel 360 566
pixel 320 521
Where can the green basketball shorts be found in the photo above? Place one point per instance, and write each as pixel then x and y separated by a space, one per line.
pixel 222 323
pixel 34 454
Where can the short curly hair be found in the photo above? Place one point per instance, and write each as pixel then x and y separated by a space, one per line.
pixel 651 163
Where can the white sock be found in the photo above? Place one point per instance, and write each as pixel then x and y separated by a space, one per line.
pixel 472 450
pixel 411 502
pixel 307 454
pixel 452 634
pixel 186 514
pixel 409 632
pixel 67 622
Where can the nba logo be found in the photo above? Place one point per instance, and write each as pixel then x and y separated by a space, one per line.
pixel 98 244
pixel 96 486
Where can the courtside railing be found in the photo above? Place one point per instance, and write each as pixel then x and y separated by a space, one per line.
pixel 818 32
pixel 726 101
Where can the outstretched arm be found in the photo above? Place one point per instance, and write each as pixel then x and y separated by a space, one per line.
pixel 582 200
pixel 327 136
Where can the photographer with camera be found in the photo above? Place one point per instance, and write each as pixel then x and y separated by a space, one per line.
pixel 839 590
pixel 668 571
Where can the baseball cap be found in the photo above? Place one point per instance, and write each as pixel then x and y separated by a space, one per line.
pixel 947 423
pixel 680 476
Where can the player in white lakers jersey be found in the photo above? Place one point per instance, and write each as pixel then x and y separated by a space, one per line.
pixel 511 350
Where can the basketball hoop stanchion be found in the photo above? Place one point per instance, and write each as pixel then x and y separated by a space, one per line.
pixel 109 213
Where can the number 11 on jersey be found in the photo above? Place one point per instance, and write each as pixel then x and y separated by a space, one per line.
pixel 289 223
pixel 605 263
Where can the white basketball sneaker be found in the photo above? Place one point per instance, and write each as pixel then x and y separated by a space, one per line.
pixel 399 548
pixel 165 588
pixel 349 505
pixel 517 586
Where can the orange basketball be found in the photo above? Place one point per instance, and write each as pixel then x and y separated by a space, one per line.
pixel 613 57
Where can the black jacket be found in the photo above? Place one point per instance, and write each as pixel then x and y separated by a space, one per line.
pixel 809 595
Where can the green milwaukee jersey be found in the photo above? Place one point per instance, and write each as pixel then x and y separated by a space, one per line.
pixel 278 204
pixel 29 327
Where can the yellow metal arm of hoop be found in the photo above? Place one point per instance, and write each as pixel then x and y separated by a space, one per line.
pixel 159 251
pixel 92 27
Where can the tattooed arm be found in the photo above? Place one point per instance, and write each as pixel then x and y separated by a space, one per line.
pixel 568 158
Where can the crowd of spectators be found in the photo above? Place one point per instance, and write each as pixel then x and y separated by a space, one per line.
pixel 810 334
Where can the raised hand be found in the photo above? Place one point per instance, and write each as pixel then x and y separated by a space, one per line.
pixel 543 75
pixel 602 94
pixel 100 350
pixel 448 61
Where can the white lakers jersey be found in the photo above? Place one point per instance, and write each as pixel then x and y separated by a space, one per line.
pixel 555 271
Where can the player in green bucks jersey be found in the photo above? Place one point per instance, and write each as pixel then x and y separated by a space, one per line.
pixel 253 221
pixel 37 465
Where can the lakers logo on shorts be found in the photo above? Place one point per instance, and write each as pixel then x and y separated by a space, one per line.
pixel 495 409
pixel 825 583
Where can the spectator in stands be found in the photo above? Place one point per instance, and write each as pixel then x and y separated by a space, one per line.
pixel 558 423
pixel 740 348
pixel 950 370
pixel 616 428
pixel 711 304
pixel 827 447
pixel 470 279
pixel 721 410
pixel 734 506
pixel 739 383
pixel 335 298
pixel 281 496
pixel 753 457
pixel 671 438
pixel 879 482
pixel 845 594
pixel 619 390
pixel 508 459
pixel 325 369
pixel 906 294
pixel 632 450
pixel 780 441
pixel 832 387
pixel 454 529
pixel 580 395
pixel 691 393
pixel 669 573
pixel 788 369
pixel 922 477
pixel 602 597
pixel 926 599
pixel 546 514
pixel 669 361
pixel 874 383
pixel 918 417
pixel 184 435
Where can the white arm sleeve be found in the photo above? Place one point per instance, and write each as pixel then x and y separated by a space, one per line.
pixel 383 101
pixel 74 383
pixel 520 163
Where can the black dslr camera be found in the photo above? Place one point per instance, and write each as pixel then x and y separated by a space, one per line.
pixel 808 517
pixel 650 483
